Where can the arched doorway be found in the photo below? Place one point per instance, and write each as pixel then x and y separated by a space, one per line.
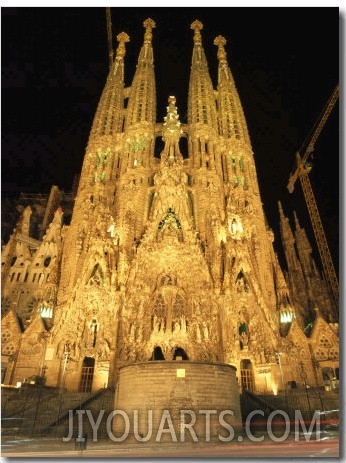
pixel 87 376
pixel 180 354
pixel 157 354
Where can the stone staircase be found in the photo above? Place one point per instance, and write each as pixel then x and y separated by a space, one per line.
pixel 301 401
pixel 45 411
pixel 81 405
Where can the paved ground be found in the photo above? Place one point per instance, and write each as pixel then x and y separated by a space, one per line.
pixel 326 446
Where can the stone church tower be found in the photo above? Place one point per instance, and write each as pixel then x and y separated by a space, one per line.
pixel 166 258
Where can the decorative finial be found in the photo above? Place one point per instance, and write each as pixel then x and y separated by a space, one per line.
pixel 122 38
pixel 197 26
pixel 149 25
pixel 220 42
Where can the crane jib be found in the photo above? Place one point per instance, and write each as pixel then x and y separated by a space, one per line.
pixel 302 170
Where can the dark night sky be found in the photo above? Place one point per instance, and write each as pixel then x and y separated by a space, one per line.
pixel 285 61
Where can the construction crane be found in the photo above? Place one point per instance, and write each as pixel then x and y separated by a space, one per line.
pixel 109 36
pixel 302 170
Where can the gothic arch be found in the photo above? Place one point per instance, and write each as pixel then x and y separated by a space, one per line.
pixel 157 354
pixel 96 276
pixel 180 352
pixel 241 282
pixel 170 224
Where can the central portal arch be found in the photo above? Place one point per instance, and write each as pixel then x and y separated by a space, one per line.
pixel 180 354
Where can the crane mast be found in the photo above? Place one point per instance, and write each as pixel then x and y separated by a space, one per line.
pixel 109 36
pixel 301 172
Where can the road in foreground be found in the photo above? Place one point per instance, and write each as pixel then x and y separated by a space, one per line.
pixel 326 447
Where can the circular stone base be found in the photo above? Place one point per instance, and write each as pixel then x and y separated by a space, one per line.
pixel 178 401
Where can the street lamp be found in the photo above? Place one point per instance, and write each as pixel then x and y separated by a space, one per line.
pixel 278 358
pixel 304 376
pixel 67 355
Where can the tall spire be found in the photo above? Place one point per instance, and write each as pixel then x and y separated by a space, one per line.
pixel 51 240
pixel 295 275
pixel 142 98
pixel 239 169
pixel 288 241
pixel 232 121
pixel 201 102
pixel 109 114
pixel 316 284
pixel 296 221
pixel 107 124
pixel 304 249
pixel 285 227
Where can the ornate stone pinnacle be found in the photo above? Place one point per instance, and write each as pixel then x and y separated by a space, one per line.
pixel 172 123
pixel 197 26
pixel 296 220
pixel 121 38
pixel 149 25
pixel 220 42
pixel 171 133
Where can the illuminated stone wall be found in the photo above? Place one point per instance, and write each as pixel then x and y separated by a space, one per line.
pixel 178 387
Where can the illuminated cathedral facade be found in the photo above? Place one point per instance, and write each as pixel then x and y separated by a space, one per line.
pixel 166 257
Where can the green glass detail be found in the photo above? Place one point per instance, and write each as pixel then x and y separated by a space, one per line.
pixel 105 159
pixel 242 328
pixel 242 181
pixel 137 144
pixel 103 177
pixel 235 180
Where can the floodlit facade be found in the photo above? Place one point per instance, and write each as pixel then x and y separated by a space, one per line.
pixel 168 256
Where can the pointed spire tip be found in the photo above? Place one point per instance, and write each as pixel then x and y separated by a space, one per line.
pixel 296 220
pixel 122 38
pixel 220 42
pixel 281 211
pixel 197 26
pixel 149 25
